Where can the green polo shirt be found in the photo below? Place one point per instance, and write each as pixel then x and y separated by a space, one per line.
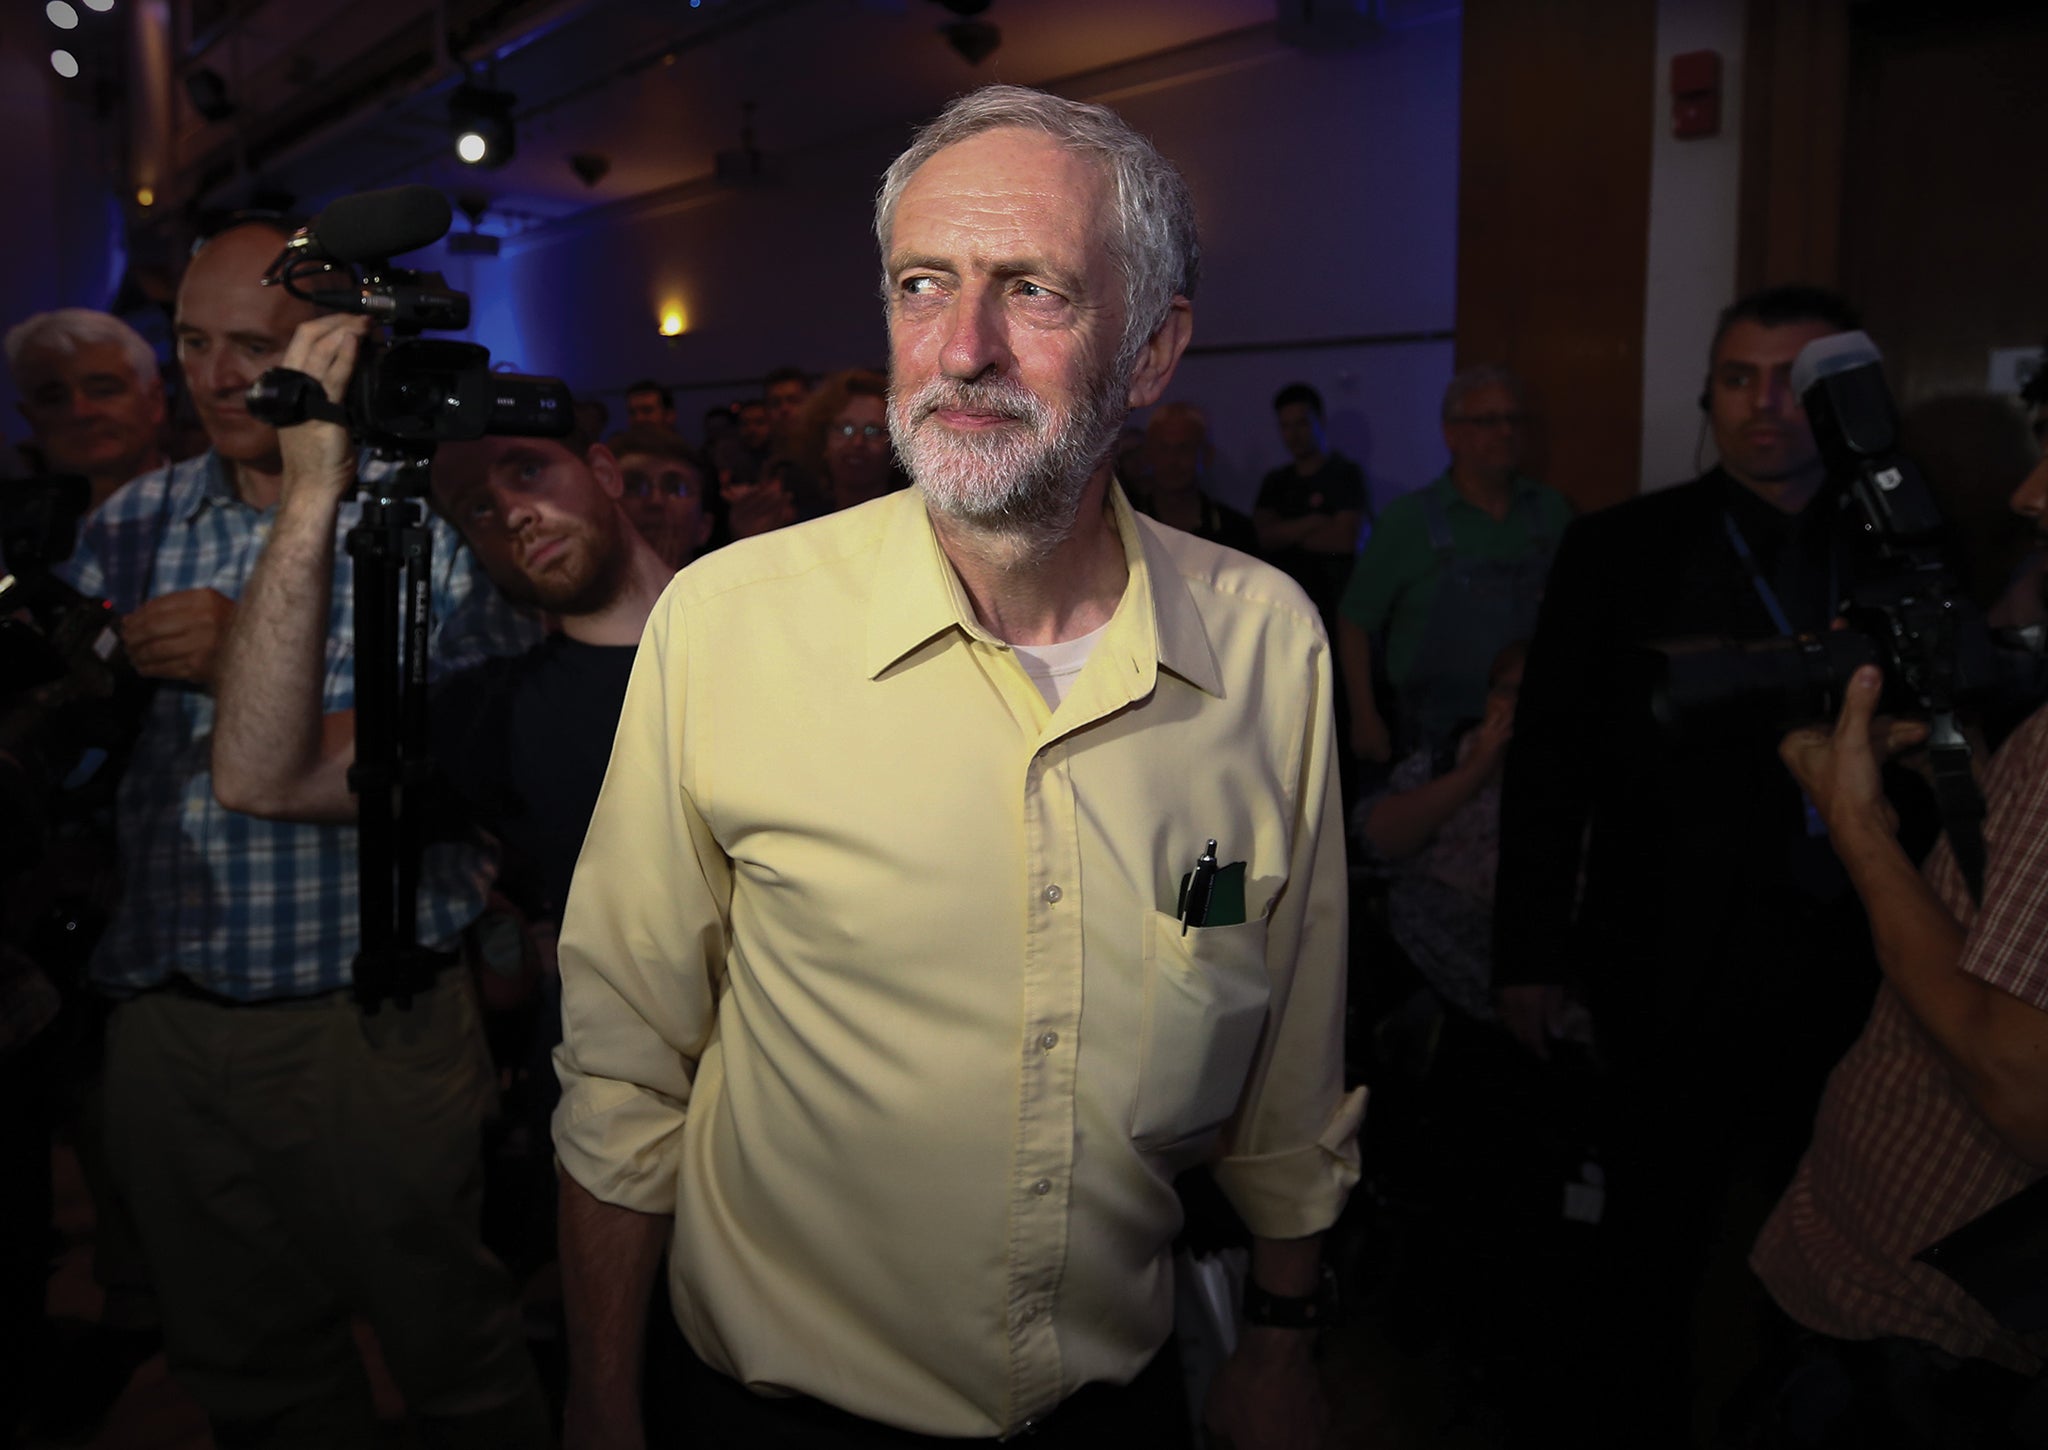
pixel 1395 580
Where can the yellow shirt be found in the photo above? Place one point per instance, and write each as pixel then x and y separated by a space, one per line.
pixel 871 978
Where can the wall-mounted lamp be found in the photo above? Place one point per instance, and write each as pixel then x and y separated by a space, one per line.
pixel 674 322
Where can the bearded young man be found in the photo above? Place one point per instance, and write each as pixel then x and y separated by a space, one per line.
pixel 880 1018
pixel 523 740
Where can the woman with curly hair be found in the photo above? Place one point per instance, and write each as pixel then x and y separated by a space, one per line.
pixel 843 440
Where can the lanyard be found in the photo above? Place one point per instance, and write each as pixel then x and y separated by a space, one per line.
pixel 1815 826
pixel 1761 585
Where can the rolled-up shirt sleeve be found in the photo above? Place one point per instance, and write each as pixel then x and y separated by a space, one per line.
pixel 642 946
pixel 1291 1153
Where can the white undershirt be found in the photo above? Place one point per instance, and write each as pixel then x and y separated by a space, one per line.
pixel 1052 667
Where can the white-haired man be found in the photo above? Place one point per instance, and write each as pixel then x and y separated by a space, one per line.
pixel 884 1014
pixel 91 394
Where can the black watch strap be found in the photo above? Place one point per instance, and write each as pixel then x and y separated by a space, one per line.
pixel 1281 1311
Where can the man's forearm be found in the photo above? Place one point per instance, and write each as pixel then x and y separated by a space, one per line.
pixel 267 730
pixel 1276 532
pixel 609 1256
pixel 1290 1268
pixel 1333 533
pixel 1354 666
pixel 1402 822
pixel 1993 1043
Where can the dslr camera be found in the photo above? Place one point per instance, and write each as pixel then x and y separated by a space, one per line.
pixel 408 392
pixel 1902 605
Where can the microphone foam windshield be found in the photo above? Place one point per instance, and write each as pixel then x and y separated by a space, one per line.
pixel 375 224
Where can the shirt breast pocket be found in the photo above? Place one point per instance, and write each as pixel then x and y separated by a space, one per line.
pixel 1205 1005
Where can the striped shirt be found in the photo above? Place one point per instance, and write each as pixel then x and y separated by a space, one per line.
pixel 1899 1156
pixel 248 908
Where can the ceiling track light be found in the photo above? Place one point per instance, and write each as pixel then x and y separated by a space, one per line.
pixel 480 125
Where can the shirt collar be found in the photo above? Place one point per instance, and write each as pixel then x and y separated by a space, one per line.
pixel 918 597
pixel 206 480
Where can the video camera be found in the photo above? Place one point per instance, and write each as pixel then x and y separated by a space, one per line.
pixel 409 392
pixel 408 395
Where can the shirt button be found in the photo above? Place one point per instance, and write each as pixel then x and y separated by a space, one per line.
pixel 1042 1187
pixel 1052 894
pixel 1049 1041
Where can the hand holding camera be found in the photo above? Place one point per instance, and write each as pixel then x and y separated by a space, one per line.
pixel 1840 766
pixel 319 455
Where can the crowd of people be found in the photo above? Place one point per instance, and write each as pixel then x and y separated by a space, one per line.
pixel 887 867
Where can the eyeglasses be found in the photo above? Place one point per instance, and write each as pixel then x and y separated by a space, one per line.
pixel 869 431
pixel 669 483
pixel 1490 420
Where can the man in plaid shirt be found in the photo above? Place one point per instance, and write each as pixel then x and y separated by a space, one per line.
pixel 1937 1114
pixel 291 1163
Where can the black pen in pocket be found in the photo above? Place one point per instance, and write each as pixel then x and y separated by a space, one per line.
pixel 1195 890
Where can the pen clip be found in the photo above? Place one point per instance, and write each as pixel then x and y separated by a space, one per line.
pixel 1195 909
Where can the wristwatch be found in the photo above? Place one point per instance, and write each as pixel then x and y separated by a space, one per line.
pixel 1281 1311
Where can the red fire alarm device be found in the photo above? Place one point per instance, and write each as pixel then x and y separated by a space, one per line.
pixel 1696 94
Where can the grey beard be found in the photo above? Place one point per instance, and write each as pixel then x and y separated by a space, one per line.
pixel 1023 486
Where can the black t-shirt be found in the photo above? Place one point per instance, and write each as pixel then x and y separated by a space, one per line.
pixel 1337 487
pixel 1220 524
pixel 524 743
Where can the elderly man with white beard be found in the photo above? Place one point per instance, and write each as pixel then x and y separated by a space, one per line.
pixel 968 866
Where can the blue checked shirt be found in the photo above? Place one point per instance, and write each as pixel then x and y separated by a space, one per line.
pixel 248 908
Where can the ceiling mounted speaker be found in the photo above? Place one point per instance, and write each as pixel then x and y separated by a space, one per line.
pixel 973 40
pixel 208 93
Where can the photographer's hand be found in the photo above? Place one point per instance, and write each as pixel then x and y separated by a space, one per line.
pixel 178 636
pixel 319 457
pixel 1841 769
pixel 1995 1043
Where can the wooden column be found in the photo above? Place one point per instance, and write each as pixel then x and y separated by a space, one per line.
pixel 1553 223
pixel 1796 76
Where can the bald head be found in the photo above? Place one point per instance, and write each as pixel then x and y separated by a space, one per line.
pixel 230 327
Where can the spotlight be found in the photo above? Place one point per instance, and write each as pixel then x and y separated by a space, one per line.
pixel 101 6
pixel 480 120
pixel 64 63
pixel 61 15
